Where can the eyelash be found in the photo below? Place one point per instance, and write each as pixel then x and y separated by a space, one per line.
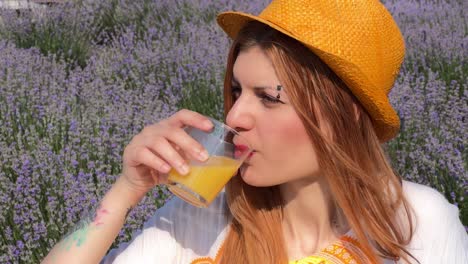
pixel 263 96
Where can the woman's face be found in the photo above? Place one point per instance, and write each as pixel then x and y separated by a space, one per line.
pixel 284 151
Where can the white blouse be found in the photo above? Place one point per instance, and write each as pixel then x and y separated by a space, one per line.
pixel 180 233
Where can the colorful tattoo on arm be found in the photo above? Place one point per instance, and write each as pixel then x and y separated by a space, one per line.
pixel 99 214
pixel 78 235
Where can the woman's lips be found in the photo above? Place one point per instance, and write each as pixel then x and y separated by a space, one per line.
pixel 240 150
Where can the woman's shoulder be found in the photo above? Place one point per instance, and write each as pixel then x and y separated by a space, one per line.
pixel 427 201
pixel 439 235
pixel 433 213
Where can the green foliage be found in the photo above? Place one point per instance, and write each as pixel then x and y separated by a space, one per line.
pixel 71 44
pixel 200 97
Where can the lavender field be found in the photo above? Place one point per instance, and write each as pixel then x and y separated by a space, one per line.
pixel 78 80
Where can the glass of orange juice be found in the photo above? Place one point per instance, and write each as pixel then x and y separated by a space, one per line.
pixel 206 179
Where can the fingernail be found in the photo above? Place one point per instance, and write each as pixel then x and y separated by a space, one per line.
pixel 207 124
pixel 184 169
pixel 203 155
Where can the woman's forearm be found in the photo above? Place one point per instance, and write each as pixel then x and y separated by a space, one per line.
pixel 89 241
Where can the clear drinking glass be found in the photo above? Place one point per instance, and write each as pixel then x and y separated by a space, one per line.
pixel 206 179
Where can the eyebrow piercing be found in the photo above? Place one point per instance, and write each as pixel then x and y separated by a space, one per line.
pixel 278 88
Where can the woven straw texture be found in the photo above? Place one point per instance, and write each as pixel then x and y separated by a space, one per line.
pixel 358 40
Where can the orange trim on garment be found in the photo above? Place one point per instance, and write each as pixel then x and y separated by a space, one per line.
pixel 346 250
pixel 338 252
pixel 358 253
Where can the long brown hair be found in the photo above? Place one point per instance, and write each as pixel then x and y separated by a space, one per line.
pixel 362 182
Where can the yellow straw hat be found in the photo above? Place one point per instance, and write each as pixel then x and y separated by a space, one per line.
pixel 358 40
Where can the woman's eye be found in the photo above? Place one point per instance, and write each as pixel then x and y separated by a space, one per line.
pixel 264 97
pixel 269 99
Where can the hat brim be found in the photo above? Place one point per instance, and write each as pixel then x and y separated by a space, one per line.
pixel 385 120
pixel 232 22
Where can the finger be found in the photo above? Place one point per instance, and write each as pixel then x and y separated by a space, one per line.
pixel 187 117
pixel 190 146
pixel 167 152
pixel 144 156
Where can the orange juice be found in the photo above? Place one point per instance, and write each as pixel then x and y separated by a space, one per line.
pixel 205 179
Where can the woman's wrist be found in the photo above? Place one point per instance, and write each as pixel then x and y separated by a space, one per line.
pixel 130 197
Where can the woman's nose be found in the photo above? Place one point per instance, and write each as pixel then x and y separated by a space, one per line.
pixel 240 117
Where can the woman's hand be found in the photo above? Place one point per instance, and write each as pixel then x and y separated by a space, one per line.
pixel 152 153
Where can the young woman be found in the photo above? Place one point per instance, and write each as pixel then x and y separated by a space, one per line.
pixel 306 84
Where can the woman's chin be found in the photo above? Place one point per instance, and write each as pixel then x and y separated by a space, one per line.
pixel 245 173
pixel 249 177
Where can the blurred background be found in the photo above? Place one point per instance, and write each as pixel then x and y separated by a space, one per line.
pixel 80 78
